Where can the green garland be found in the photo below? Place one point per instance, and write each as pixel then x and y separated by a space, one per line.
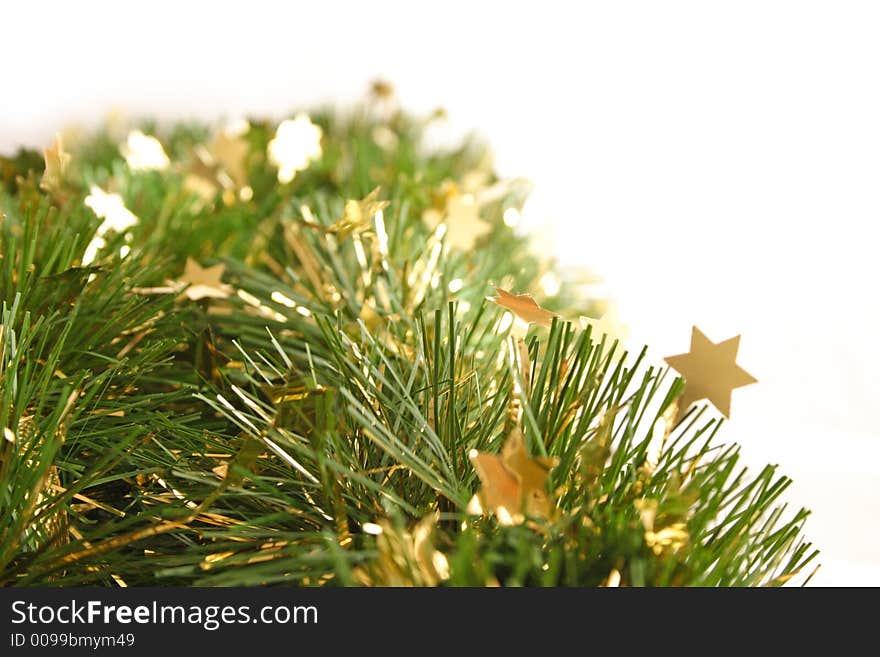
pixel 308 417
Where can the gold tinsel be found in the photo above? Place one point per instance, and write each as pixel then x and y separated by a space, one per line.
pixel 406 558
pixel 44 529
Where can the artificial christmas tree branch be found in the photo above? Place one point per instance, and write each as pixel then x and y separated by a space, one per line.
pixel 263 354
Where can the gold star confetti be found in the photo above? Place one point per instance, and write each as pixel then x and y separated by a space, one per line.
pixel 358 215
pixel 221 165
pixel 111 208
pixel 523 307
pixel 461 215
pixel 710 371
pixel 464 223
pixel 229 149
pixel 514 484
pixel 117 218
pixel 143 152
pixel 56 164
pixel 381 89
pixel 204 282
pixel 608 324
pixel 296 144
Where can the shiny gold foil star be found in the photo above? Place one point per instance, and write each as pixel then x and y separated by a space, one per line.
pixel 204 282
pixel 524 307
pixel 56 163
pixel 514 484
pixel 710 371
pixel 358 215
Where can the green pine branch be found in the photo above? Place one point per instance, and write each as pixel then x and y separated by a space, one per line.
pixel 262 438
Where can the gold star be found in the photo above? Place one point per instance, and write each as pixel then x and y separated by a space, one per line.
pixel 405 558
pixel 460 213
pixel 297 143
pixel 523 306
pixel 144 152
pixel 514 483
pixel 710 371
pixel 463 223
pixel 381 89
pixel 358 215
pixel 609 325
pixel 56 163
pixel 221 165
pixel 204 282
pixel 230 151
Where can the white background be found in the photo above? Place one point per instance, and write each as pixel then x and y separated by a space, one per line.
pixel 718 163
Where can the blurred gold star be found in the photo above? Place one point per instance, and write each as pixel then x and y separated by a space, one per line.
pixel 230 152
pixel 117 218
pixel 144 152
pixel 710 371
pixel 513 483
pixel 463 222
pixel 461 215
pixel 296 144
pixel 358 215
pixel 56 163
pixel 204 282
pixel 381 89
pixel 221 165
pixel 111 208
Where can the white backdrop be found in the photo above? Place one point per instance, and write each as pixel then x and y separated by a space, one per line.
pixel 717 163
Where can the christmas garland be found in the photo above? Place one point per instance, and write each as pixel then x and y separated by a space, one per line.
pixel 319 352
